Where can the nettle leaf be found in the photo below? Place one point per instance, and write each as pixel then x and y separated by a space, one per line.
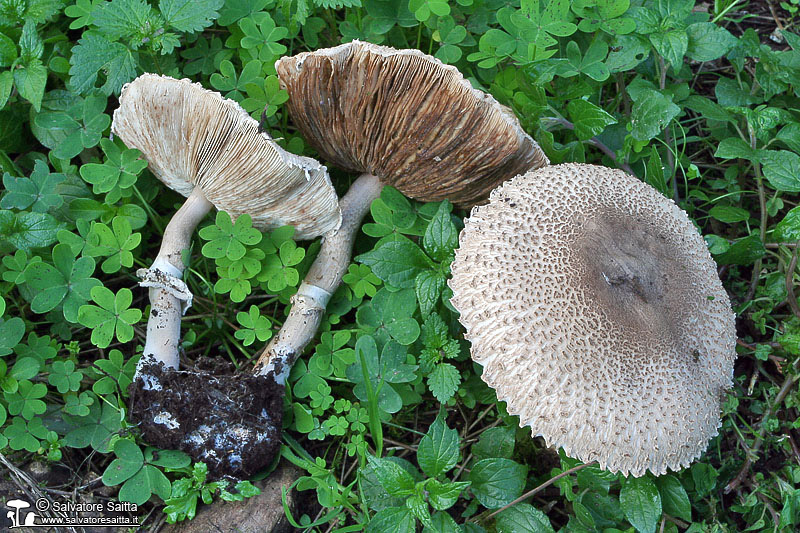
pixel 190 15
pixel 442 496
pixel 495 442
pixel 110 317
pixel 8 51
pixel 443 381
pixel 523 518
pixel 782 169
pixel 28 230
pixel 397 263
pixel 93 54
pixel 392 476
pixel 438 450
pixel 673 497
pixel 497 482
pixel 588 119
pixel 788 229
pixel 441 235
pixel 671 45
pixel 392 520
pixel 641 503
pixel 707 41
pixel 651 113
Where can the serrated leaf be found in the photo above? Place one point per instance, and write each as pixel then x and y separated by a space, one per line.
pixel 397 263
pixel 707 41
pixel 523 518
pixel 94 54
pixel 497 482
pixel 588 119
pixel 651 113
pixel 641 503
pixel 782 169
pixel 438 450
pixel 674 499
pixel 190 15
pixel 443 381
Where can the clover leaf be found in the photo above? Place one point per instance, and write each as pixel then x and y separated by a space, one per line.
pixel 110 317
pixel 78 127
pixel 37 192
pixel 255 326
pixel 228 239
pixel 64 377
pixel 25 401
pixel 116 242
pixel 68 282
pixel 117 174
pixel 115 372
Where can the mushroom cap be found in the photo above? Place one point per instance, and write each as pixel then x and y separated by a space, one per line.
pixel 406 118
pixel 191 137
pixel 597 313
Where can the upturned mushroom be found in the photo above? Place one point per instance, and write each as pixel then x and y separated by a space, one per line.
pixel 597 313
pixel 209 149
pixel 400 118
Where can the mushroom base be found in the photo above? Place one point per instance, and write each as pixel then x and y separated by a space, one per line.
pixel 230 422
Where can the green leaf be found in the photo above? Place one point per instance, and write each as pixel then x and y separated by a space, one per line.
pixel 651 113
pixel 11 332
pixel 729 214
pixel 28 230
pixel 392 520
pixel 30 80
pixel 495 442
pixel 641 503
pixel 788 229
pixel 705 478
pixel 707 41
pixel 441 236
pixel 497 482
pixel 394 479
pixel 438 450
pixel 443 381
pixel 147 481
pixel 397 263
pixel 734 147
pixel 523 518
pixel 442 496
pixel 588 119
pixel 190 15
pixel 6 83
pixel 110 317
pixel 8 52
pixel 674 499
pixel 94 54
pixel 671 45
pixel 744 251
pixel 128 462
pixel 428 286
pixel 782 170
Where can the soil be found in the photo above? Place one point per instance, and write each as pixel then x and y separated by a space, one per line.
pixel 230 422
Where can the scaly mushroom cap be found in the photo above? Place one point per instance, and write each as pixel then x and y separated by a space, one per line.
pixel 596 311
pixel 406 118
pixel 194 137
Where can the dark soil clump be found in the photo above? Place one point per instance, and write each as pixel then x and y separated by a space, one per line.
pixel 230 422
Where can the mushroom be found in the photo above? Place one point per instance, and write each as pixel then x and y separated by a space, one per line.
pixel 597 313
pixel 209 149
pixel 400 118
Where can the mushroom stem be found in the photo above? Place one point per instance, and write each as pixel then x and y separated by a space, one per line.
pixel 322 280
pixel 169 297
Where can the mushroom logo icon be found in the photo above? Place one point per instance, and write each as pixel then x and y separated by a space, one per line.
pixel 16 505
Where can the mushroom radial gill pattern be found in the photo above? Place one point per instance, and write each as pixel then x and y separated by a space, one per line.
pixel 596 311
pixel 406 118
pixel 194 137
